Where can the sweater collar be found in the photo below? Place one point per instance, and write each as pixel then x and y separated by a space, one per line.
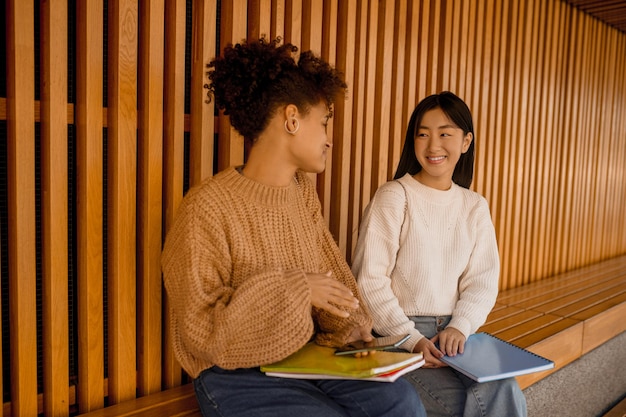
pixel 256 191
pixel 431 194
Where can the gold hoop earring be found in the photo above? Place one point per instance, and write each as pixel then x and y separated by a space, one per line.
pixel 296 123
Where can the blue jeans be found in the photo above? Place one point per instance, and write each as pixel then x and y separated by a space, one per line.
pixel 446 392
pixel 250 393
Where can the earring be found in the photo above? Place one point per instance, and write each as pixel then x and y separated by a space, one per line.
pixel 296 123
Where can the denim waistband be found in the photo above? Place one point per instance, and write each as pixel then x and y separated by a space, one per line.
pixel 429 326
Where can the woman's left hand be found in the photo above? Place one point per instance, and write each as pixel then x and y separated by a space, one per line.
pixel 451 341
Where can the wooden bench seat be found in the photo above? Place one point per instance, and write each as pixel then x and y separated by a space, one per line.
pixel 174 402
pixel 565 316
pixel 560 318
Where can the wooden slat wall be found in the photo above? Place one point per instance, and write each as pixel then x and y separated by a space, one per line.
pixel 546 84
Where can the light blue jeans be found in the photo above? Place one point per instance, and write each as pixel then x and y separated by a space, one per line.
pixel 250 393
pixel 446 392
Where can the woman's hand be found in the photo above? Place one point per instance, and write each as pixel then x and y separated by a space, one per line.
pixel 363 333
pixel 326 290
pixel 451 341
pixel 430 352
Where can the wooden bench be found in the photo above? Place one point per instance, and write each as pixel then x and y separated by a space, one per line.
pixel 560 318
pixel 565 316
pixel 174 402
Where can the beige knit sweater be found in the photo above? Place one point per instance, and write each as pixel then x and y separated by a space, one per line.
pixel 436 257
pixel 233 266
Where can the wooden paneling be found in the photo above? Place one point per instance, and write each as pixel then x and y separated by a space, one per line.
pixel 121 197
pixel 149 196
pixel 549 113
pixel 89 204
pixel 173 149
pixel 21 198
pixel 54 173
pixel 202 120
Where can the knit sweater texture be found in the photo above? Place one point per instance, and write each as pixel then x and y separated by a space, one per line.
pixel 234 264
pixel 426 252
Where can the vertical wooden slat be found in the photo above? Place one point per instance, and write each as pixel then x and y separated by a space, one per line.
pixel 484 144
pixel 54 179
pixel 202 120
pixel 311 16
pixel 423 49
pixel 467 68
pixel 358 94
pixel 543 116
pixel 149 195
pixel 202 110
pixel 21 205
pixel 233 27
pixel 89 210
pixel 488 143
pixel 531 61
pixel 369 133
pixel 397 122
pixel 579 226
pixel 412 50
pixel 558 126
pixel 89 186
pixel 323 14
pixel 293 21
pixel 614 227
pixel 464 27
pixel 122 191
pixel 342 126
pixel 277 25
pixel 383 93
pixel 492 134
pixel 455 41
pixel 503 216
pixel 173 150
pixel 259 19
pixel 595 205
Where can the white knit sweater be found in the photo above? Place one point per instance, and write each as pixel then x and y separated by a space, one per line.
pixel 448 263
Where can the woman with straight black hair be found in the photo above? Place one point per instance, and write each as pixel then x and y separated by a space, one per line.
pixel 427 260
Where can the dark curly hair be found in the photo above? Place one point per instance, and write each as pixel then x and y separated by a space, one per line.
pixel 252 80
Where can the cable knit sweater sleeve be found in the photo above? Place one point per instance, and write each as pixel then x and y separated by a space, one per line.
pixel 478 285
pixel 375 258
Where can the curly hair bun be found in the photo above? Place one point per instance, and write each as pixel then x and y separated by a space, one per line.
pixel 251 80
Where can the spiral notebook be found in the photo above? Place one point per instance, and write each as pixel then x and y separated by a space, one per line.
pixel 488 358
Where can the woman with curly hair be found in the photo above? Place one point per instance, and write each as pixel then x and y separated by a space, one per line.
pixel 250 268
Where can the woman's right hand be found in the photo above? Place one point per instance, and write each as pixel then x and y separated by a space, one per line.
pixel 430 352
pixel 326 290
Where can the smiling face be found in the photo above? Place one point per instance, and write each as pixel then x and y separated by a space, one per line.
pixel 309 146
pixel 439 144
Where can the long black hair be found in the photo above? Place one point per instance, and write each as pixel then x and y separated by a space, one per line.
pixel 458 112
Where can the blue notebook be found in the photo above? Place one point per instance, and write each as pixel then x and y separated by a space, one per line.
pixel 487 358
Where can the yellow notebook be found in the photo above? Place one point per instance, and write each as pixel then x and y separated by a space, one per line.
pixel 319 362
